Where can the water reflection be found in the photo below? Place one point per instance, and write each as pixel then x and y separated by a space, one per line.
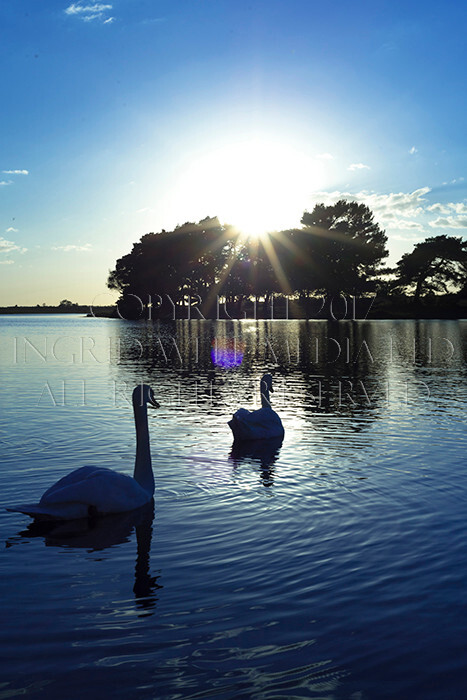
pixel 264 452
pixel 97 534
pixel 357 524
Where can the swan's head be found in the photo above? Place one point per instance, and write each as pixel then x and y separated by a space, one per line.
pixel 143 394
pixel 266 382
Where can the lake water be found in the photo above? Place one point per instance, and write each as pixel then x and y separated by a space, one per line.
pixel 332 566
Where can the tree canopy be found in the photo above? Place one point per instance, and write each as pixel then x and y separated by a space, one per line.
pixel 434 264
pixel 339 249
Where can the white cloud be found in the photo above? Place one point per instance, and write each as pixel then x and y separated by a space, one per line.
pixel 11 230
pixel 449 222
pixel 407 225
pixel 439 208
pixel 4 183
pixel 89 13
pixel 409 204
pixel 386 207
pixel 448 208
pixel 405 215
pixel 413 150
pixel 459 207
pixel 73 248
pixel 15 172
pixel 7 262
pixel 9 246
pixel 358 166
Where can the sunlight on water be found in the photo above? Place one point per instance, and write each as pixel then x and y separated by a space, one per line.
pixel 332 565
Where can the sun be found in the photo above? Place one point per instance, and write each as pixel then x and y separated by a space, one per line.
pixel 254 184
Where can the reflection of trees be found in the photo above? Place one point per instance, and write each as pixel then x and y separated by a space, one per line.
pixel 104 532
pixel 348 370
pixel 262 452
pixel 341 370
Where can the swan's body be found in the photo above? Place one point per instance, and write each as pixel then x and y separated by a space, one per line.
pixel 262 424
pixel 95 491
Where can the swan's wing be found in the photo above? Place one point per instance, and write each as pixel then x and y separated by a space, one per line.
pixel 256 425
pixel 50 508
pixel 104 490
pixel 60 511
pixel 74 477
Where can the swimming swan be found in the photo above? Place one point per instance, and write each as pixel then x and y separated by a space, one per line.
pixel 94 491
pixel 261 424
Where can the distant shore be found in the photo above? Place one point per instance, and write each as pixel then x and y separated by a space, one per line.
pixel 73 309
pixel 382 308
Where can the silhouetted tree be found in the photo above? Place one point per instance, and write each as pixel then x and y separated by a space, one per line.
pixel 188 260
pixel 338 250
pixel 341 248
pixel 432 266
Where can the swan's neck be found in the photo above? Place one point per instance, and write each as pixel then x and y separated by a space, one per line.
pixel 265 402
pixel 143 467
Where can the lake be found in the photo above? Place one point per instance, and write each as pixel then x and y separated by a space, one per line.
pixel 331 566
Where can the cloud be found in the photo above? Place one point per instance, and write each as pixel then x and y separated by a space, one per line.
pixel 71 248
pixel 413 151
pixel 404 211
pixel 459 207
pixel 15 172
pixel 358 166
pixel 153 20
pixel 89 13
pixel 410 204
pixel 449 222
pixel 386 207
pixel 449 208
pixel 10 246
pixel 11 230
pixel 439 208
pixel 325 156
pixel 5 183
pixel 7 262
pixel 407 225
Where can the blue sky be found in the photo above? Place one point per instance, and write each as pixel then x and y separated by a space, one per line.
pixel 129 116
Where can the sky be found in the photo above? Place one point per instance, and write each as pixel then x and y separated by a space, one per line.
pixel 123 117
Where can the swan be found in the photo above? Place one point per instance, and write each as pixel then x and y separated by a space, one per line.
pixel 95 491
pixel 261 424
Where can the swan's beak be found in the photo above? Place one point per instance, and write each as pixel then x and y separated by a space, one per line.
pixel 152 400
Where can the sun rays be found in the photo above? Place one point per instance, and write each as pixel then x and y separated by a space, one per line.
pixel 256 184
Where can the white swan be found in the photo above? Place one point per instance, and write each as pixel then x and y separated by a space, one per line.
pixel 95 491
pixel 261 424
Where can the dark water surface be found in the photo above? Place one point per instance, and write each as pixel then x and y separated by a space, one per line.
pixel 332 566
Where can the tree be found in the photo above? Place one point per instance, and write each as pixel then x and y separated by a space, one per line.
pixel 341 248
pixel 188 260
pixel 433 265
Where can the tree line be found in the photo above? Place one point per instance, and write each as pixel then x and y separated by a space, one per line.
pixel 338 250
